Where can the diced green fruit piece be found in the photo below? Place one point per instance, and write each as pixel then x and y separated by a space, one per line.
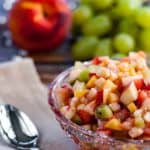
pixel 103 112
pixel 113 124
pixel 84 76
pixel 139 122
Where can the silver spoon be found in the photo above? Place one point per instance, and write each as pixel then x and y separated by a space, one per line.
pixel 17 129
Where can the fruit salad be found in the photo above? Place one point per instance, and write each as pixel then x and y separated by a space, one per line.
pixel 109 97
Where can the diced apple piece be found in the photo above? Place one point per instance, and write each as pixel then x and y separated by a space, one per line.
pixel 127 125
pixel 64 94
pixel 90 107
pixel 91 94
pixel 146 104
pixel 147 117
pixel 99 83
pixel 124 66
pixel 129 95
pixel 139 83
pixel 78 85
pixel 127 80
pixel 142 95
pixel 102 96
pixel 146 75
pixel 114 124
pixel 103 72
pixel 135 132
pixel 105 95
pixel 109 85
pixel 67 111
pixel 138 113
pixel 113 75
pixel 74 102
pixel 115 107
pixel 112 97
pixel 80 107
pixel 75 72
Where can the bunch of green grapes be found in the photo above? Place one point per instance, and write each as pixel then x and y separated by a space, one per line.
pixel 110 27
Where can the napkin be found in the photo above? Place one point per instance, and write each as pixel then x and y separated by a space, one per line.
pixel 20 86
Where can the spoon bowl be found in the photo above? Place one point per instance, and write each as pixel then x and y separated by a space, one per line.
pixel 17 129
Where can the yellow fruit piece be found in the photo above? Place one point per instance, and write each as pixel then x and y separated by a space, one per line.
pixel 91 82
pixel 112 98
pixel 132 107
pixel 114 124
pixel 132 71
pixel 80 93
pixel 129 147
pixel 109 85
pixel 105 96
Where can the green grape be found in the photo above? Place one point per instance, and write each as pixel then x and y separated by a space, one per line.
pixel 128 26
pixel 86 1
pixel 102 4
pixel 127 8
pixel 143 17
pixel 83 48
pixel 118 55
pixel 97 26
pixel 124 43
pixel 103 48
pixel 82 14
pixel 145 40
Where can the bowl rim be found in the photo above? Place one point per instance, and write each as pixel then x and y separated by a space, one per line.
pixel 51 100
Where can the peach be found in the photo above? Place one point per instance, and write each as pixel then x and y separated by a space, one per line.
pixel 39 25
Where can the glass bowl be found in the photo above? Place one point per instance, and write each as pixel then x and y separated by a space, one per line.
pixel 86 139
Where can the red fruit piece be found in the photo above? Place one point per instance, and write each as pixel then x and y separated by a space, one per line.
pixel 142 95
pixel 96 61
pixel 139 83
pixel 122 114
pixel 65 93
pixel 99 97
pixel 147 131
pixel 85 116
pixel 92 74
pixel 147 87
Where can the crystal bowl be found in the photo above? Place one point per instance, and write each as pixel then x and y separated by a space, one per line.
pixel 86 139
